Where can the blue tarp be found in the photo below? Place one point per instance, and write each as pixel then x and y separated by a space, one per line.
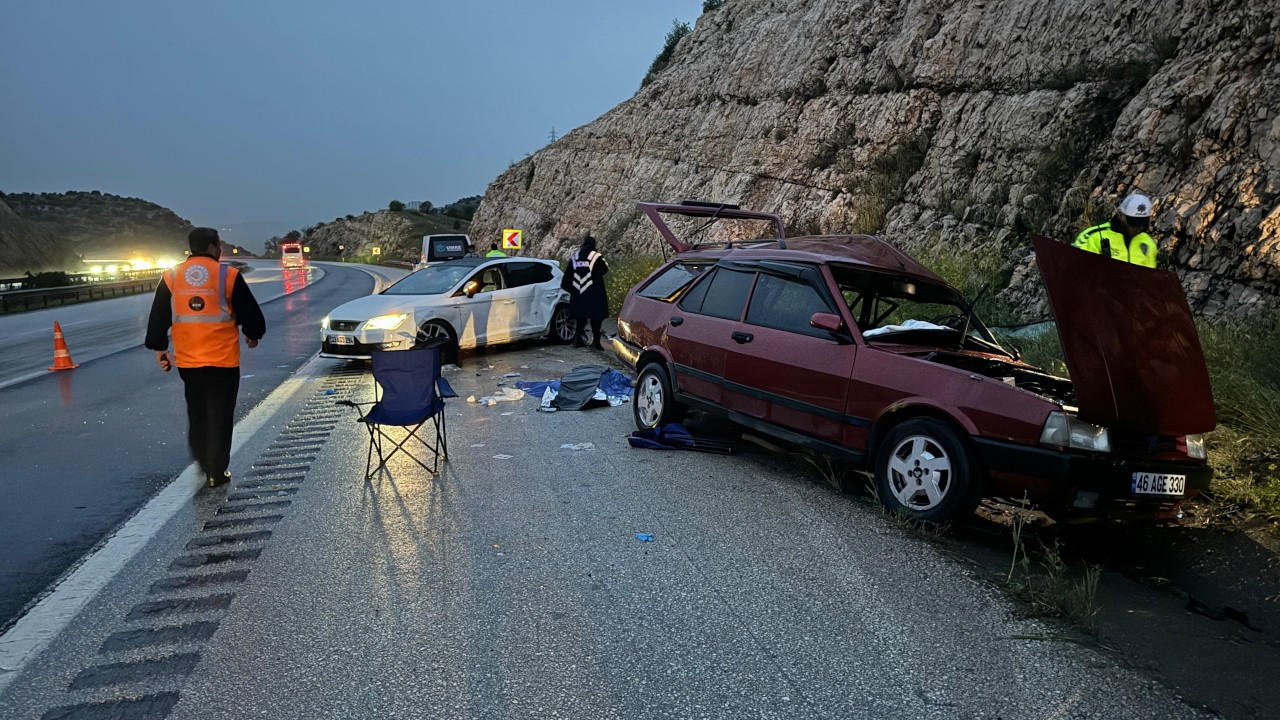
pixel 612 382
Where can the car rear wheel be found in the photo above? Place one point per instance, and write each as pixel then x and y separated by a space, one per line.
pixel 435 331
pixel 654 404
pixel 562 326
pixel 923 469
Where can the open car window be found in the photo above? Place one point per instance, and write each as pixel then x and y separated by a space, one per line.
pixel 908 311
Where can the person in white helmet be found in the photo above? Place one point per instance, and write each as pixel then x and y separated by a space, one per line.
pixel 1125 236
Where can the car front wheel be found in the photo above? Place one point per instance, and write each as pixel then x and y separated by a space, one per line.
pixel 654 404
pixel 562 326
pixel 436 331
pixel 923 469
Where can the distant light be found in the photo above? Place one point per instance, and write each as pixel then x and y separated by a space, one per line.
pixel 96 269
pixel 111 269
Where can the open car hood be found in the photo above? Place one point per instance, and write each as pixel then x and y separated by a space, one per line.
pixel 1129 341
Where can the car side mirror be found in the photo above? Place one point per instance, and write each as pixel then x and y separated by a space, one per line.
pixel 471 289
pixel 827 321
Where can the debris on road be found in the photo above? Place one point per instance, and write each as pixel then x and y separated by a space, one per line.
pixel 578 446
pixel 585 386
pixel 502 457
pixel 674 436
pixel 644 537
pixel 476 445
pixel 512 374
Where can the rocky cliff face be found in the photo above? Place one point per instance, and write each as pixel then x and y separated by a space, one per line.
pixel 106 226
pixel 946 124
pixel 29 247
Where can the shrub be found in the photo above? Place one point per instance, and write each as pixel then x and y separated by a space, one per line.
pixel 395 206
pixel 709 5
pixel 674 36
pixel 624 274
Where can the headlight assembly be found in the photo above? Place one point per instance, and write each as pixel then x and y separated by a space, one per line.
pixel 1068 431
pixel 385 322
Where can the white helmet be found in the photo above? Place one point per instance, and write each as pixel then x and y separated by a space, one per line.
pixel 1136 206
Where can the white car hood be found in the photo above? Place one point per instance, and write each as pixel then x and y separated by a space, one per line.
pixel 374 305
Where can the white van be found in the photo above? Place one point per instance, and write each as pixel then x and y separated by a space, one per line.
pixel 437 248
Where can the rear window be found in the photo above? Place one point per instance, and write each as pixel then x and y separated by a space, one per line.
pixel 671 281
pixel 722 295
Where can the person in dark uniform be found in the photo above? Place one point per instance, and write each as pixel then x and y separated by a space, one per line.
pixel 203 302
pixel 588 299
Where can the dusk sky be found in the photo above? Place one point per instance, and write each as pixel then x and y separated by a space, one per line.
pixel 291 113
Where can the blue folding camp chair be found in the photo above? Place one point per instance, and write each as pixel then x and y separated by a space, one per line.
pixel 412 393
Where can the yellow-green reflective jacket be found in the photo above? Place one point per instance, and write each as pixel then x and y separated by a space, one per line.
pixel 1141 250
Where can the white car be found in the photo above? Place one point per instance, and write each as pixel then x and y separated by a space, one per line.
pixel 470 302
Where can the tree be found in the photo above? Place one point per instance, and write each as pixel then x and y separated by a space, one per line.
pixel 395 206
pixel 709 5
pixel 674 36
pixel 426 207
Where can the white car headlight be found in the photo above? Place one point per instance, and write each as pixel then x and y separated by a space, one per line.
pixel 324 324
pixel 1195 447
pixel 1063 430
pixel 385 322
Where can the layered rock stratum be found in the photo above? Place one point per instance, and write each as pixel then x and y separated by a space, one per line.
pixel 945 125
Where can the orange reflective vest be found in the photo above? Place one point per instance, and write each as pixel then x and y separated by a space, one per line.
pixel 204 326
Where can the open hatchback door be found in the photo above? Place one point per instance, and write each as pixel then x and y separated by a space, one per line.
pixel 711 211
pixel 1130 343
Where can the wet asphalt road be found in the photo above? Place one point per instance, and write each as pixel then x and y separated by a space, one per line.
pixel 83 450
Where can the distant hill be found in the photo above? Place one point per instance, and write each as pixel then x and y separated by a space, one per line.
pixel 26 246
pixel 100 225
pixel 397 233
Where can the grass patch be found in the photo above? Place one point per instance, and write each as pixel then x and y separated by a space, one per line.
pixel 1244 369
pixel 624 274
pixel 1041 579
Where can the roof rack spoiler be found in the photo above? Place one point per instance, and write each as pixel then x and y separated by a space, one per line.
pixel 712 211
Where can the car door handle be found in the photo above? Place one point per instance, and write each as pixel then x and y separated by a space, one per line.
pixel 508 302
pixel 676 321
pixel 742 338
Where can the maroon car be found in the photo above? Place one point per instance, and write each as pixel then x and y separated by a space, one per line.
pixel 844 345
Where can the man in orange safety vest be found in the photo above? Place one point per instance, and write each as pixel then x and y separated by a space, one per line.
pixel 202 302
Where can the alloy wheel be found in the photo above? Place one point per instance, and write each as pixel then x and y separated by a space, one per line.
pixel 649 400
pixel 920 473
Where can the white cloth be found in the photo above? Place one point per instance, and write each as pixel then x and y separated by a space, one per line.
pixel 908 325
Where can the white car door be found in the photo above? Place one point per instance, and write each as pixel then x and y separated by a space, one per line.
pixel 530 281
pixel 490 315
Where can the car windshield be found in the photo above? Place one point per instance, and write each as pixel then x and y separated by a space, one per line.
pixel 909 311
pixel 433 280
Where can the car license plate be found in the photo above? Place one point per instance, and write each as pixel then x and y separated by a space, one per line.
pixel 343 340
pixel 1146 483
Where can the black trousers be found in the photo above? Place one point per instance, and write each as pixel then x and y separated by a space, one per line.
pixel 581 330
pixel 211 407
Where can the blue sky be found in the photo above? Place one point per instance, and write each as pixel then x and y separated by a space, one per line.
pixel 291 112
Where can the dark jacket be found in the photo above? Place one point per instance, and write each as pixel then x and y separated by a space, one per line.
pixel 584 281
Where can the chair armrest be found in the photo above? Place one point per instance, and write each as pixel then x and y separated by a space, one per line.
pixel 444 389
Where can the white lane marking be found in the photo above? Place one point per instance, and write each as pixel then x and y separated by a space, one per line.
pixel 131 345
pixel 35 630
pixel 50 328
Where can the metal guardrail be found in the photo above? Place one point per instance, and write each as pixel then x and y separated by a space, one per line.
pixel 81 278
pixel 39 298
pixel 137 281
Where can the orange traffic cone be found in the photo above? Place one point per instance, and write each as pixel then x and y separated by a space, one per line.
pixel 61 357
